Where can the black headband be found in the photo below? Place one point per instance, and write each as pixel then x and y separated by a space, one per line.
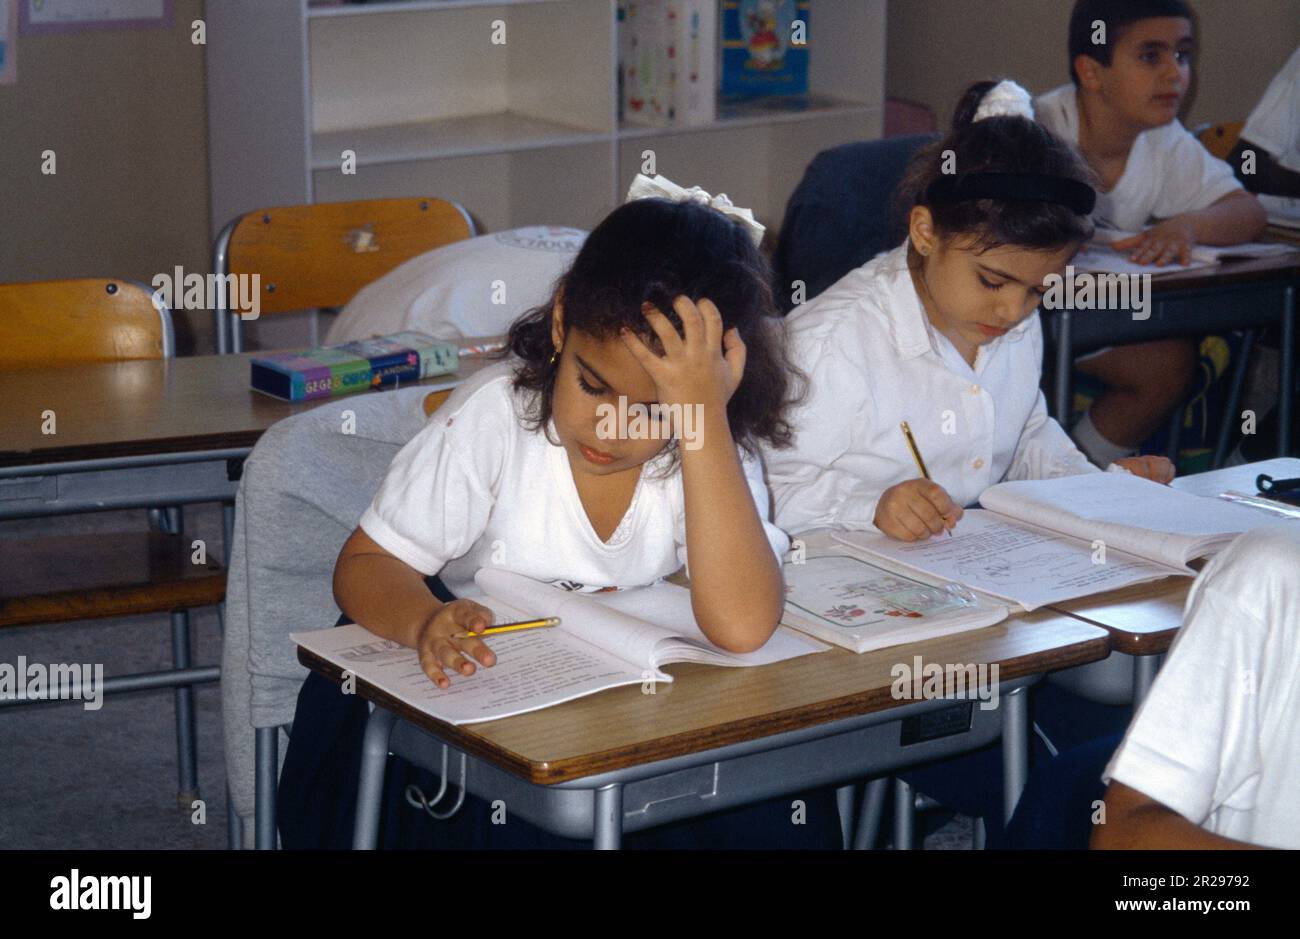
pixel 1014 187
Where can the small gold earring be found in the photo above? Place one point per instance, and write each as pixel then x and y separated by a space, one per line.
pixel 555 357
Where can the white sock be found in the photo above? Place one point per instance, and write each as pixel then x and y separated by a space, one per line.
pixel 1096 447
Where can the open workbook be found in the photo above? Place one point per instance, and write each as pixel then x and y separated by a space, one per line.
pixel 1044 541
pixel 836 593
pixel 604 640
pixel 1098 257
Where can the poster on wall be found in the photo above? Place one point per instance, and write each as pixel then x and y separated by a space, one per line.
pixel 49 16
pixel 8 43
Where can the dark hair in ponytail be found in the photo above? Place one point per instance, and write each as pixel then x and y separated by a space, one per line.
pixel 1008 146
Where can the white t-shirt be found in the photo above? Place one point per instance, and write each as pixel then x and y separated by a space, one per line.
pixel 475 287
pixel 476 488
pixel 1218 738
pixel 1275 122
pixel 1168 171
pixel 873 360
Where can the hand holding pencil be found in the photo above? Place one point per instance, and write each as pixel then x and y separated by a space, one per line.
pixel 449 639
pixel 915 509
pixel 455 630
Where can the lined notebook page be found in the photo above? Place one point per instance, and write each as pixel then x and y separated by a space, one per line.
pixel 1012 561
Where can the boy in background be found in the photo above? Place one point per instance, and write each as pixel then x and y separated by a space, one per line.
pixel 1130 62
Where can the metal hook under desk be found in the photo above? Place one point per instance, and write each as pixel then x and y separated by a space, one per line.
pixel 416 798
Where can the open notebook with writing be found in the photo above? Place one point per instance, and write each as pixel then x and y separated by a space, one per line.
pixel 1036 542
pixel 605 640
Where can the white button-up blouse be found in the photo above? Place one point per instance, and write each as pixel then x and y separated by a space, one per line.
pixel 873 360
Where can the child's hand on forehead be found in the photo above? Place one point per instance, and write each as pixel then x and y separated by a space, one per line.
pixel 703 365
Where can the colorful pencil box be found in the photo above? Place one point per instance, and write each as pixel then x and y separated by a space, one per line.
pixel 386 361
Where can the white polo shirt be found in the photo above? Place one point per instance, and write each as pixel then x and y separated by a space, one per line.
pixel 1275 122
pixel 476 488
pixel 873 360
pixel 1218 738
pixel 1168 171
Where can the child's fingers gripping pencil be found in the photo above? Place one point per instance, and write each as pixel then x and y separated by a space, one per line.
pixel 542 623
pixel 916 455
pixel 449 641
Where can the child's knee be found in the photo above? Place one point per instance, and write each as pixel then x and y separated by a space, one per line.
pixel 1169 372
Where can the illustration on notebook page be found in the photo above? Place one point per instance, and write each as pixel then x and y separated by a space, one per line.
pixel 846 591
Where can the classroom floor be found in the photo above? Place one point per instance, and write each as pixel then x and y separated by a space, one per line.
pixel 78 779
pixel 83 779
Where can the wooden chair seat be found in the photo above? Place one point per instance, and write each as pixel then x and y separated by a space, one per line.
pixel 64 578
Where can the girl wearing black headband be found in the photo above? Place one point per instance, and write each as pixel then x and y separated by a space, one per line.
pixel 942 333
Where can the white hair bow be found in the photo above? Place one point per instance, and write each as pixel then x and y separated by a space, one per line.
pixel 660 187
pixel 1005 99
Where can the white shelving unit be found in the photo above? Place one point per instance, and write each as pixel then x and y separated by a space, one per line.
pixel 522 132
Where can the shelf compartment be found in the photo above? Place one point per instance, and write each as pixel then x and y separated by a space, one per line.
pixel 473 135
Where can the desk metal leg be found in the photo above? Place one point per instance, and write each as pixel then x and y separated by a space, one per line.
pixel 845 797
pixel 183 696
pixel 227 529
pixel 1286 372
pixel 1144 673
pixel 1062 396
pixel 873 806
pixel 265 782
pixel 1230 413
pixel 904 815
pixel 609 818
pixel 1015 748
pixel 370 787
pixel 234 831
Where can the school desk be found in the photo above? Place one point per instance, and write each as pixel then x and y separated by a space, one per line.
pixel 1143 619
pixel 622 760
pixel 1227 296
pixel 141 434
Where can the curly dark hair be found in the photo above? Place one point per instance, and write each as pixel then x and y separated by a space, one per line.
pixel 652 251
pixel 998 145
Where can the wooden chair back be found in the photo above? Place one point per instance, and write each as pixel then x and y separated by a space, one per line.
pixel 318 256
pixel 1220 139
pixel 74 322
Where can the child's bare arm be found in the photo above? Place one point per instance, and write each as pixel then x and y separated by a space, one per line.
pixel 1235 218
pixel 736 587
pixel 389 598
pixel 1135 820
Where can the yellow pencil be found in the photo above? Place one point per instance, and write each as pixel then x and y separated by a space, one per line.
pixel 916 455
pixel 512 627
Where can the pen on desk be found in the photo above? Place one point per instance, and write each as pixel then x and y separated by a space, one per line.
pixel 916 455
pixel 542 623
